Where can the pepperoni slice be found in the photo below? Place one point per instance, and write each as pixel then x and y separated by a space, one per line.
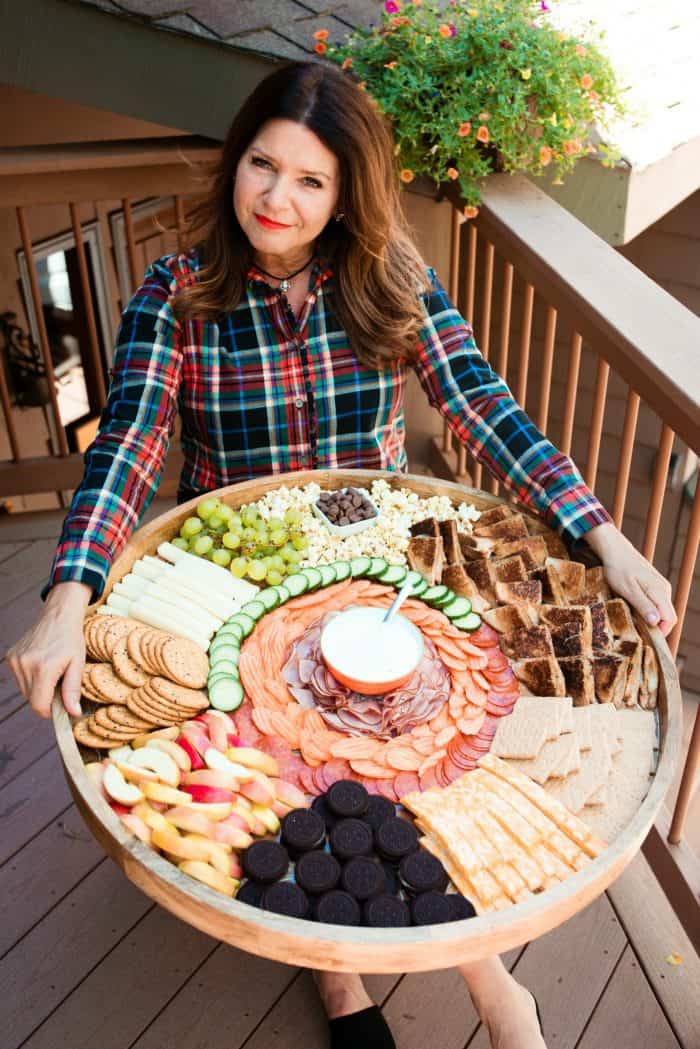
pixel 484 637
pixel 317 775
pixel 429 779
pixel 307 781
pixel 451 770
pixel 496 662
pixel 406 783
pixel 335 769
pixel 385 787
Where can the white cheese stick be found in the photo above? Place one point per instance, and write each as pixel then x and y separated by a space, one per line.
pixel 112 610
pixel 199 566
pixel 154 614
pixel 149 571
pixel 185 605
pixel 181 588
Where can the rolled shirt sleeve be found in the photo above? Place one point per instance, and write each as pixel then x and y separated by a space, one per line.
pixel 482 412
pixel 124 463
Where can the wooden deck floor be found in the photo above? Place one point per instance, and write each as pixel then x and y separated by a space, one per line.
pixel 86 960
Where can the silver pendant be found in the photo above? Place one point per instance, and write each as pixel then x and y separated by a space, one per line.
pixel 285 285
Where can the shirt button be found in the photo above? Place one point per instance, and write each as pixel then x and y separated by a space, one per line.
pixel 299 403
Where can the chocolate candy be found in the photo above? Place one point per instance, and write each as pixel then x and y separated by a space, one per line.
pixel 284 897
pixel 302 830
pixel 317 872
pixel 421 872
pixel 363 877
pixel 346 506
pixel 251 893
pixel 379 810
pixel 395 839
pixel 430 908
pixel 351 838
pixel 265 861
pixel 386 911
pixel 337 908
pixel 461 907
pixel 347 799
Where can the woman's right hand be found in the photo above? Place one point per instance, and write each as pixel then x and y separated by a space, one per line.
pixel 53 650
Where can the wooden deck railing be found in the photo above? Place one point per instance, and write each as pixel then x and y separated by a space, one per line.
pixel 625 327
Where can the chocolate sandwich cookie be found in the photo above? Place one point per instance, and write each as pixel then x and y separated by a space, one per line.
pixel 392 884
pixel 363 877
pixel 317 872
pixel 284 897
pixel 422 872
pixel 337 908
pixel 320 805
pixel 379 810
pixel 431 908
pixel 251 892
pixel 386 911
pixel 461 907
pixel 302 830
pixel 347 799
pixel 351 838
pixel 395 839
pixel 265 861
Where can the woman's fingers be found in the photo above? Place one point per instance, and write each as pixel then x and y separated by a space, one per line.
pixel 652 598
pixel 70 687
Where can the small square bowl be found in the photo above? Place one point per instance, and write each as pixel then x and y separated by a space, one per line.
pixel 349 529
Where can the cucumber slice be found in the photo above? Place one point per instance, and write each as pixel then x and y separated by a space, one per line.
pixel 328 575
pixel 224 641
pixel 269 597
pixel 229 652
pixel 445 600
pixel 215 675
pixel 376 567
pixel 226 694
pixel 283 591
pixel 394 575
pixel 255 609
pixel 472 621
pixel 229 630
pixel 461 606
pixel 225 665
pixel 342 570
pixel 296 584
pixel 313 576
pixel 434 593
pixel 419 583
pixel 359 566
pixel 245 622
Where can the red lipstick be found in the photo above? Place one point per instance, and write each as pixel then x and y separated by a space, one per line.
pixel 269 224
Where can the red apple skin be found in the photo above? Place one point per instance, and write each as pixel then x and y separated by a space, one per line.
pixel 237 821
pixel 232 740
pixel 121 810
pixel 200 793
pixel 236 871
pixel 192 753
pixel 289 794
pixel 257 792
pixel 228 835
pixel 197 735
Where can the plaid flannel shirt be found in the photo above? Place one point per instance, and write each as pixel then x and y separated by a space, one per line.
pixel 263 392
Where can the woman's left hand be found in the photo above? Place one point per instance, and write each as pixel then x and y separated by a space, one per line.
pixel 631 576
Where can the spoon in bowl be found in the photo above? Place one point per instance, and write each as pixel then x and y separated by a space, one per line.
pixel 398 601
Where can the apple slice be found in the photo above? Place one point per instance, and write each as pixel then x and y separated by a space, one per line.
pixel 255 826
pixel 236 820
pixel 184 818
pixel 233 836
pixel 166 795
pixel 235 869
pixel 201 793
pixel 289 794
pixel 137 827
pixel 267 817
pixel 175 844
pixel 175 751
pixel 258 792
pixel 280 809
pixel 254 759
pixel 118 789
pixel 159 763
pixel 216 810
pixel 213 778
pixel 219 855
pixel 196 759
pixel 120 753
pixel 208 876
pixel 197 735
pixel 96 771
pixel 134 774
pixel 216 760
pixel 144 738
pixel 151 817
pixel 218 726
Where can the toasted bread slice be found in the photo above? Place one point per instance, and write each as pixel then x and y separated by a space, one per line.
pixel 510 528
pixel 597 588
pixel 533 550
pixel 474 549
pixel 578 675
pixel 648 692
pixel 553 542
pixel 428 526
pixel 463 585
pixel 552 591
pixel 531 643
pixel 450 542
pixel 480 572
pixel 571 576
pixel 634 652
pixel 496 513
pixel 620 619
pixel 425 555
pixel 601 637
pixel 527 591
pixel 507 618
pixel 568 640
pixel 610 676
pixel 508 570
pixel 543 676
pixel 576 616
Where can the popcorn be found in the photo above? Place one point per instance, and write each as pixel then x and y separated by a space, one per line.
pixel 399 508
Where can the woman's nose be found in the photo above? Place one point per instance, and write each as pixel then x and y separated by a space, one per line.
pixel 277 192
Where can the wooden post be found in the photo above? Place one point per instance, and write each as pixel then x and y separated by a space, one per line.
pixel 547 362
pixel 89 306
pixel 525 343
pixel 130 243
pixel 663 458
pixel 626 452
pixel 601 389
pixel 567 430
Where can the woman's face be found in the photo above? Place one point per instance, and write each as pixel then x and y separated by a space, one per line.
pixel 286 189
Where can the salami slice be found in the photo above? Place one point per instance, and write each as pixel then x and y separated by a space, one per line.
pixel 385 787
pixel 429 779
pixel 406 783
pixel 307 781
pixel 484 637
pixel 335 769
pixel 450 770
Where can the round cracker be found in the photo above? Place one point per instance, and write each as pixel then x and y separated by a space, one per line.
pixel 119 627
pixel 107 683
pixel 135 650
pixel 99 633
pixel 124 665
pixel 185 662
pixel 123 717
pixel 138 707
pixel 121 735
pixel 156 701
pixel 86 738
pixel 189 698
pixel 88 633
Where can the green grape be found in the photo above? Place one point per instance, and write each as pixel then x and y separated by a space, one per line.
pixel 277 562
pixel 299 541
pixel 202 545
pixel 249 515
pixel 235 524
pixel 215 521
pixel 231 540
pixel 221 557
pixel 191 526
pixel 249 548
pixel 207 507
pixel 239 567
pixel 226 512
pixel 249 535
pixel 273 577
pixel 287 550
pixel 181 543
pixel 266 560
pixel 275 524
pixel 257 571
pixel 278 538
pixel 293 517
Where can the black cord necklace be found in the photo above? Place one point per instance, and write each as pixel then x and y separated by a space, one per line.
pixel 285 282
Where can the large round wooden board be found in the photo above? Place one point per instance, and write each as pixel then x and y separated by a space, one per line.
pixel 360 949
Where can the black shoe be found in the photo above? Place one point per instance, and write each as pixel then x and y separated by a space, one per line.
pixel 366 1028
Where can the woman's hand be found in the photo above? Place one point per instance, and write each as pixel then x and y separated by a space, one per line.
pixel 631 576
pixel 52 650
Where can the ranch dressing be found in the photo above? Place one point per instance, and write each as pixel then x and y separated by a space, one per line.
pixel 361 646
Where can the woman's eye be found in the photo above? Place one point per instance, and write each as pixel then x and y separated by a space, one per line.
pixel 260 162
pixel 312 182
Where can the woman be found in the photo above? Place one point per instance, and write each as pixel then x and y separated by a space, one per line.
pixel 285 341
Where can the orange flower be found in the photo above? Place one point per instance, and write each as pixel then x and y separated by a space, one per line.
pixel 320 48
pixel 444 30
pixel 572 146
pixel 407 175
pixel 453 173
pixel 346 63
pixel 390 65
pixel 483 134
pixel 545 156
pixel 321 34
pixel 464 129
pixel 594 96
pixel 470 212
pixel 586 81
pixel 580 50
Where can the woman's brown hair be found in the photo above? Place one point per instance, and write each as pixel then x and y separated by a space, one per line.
pixel 377 268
